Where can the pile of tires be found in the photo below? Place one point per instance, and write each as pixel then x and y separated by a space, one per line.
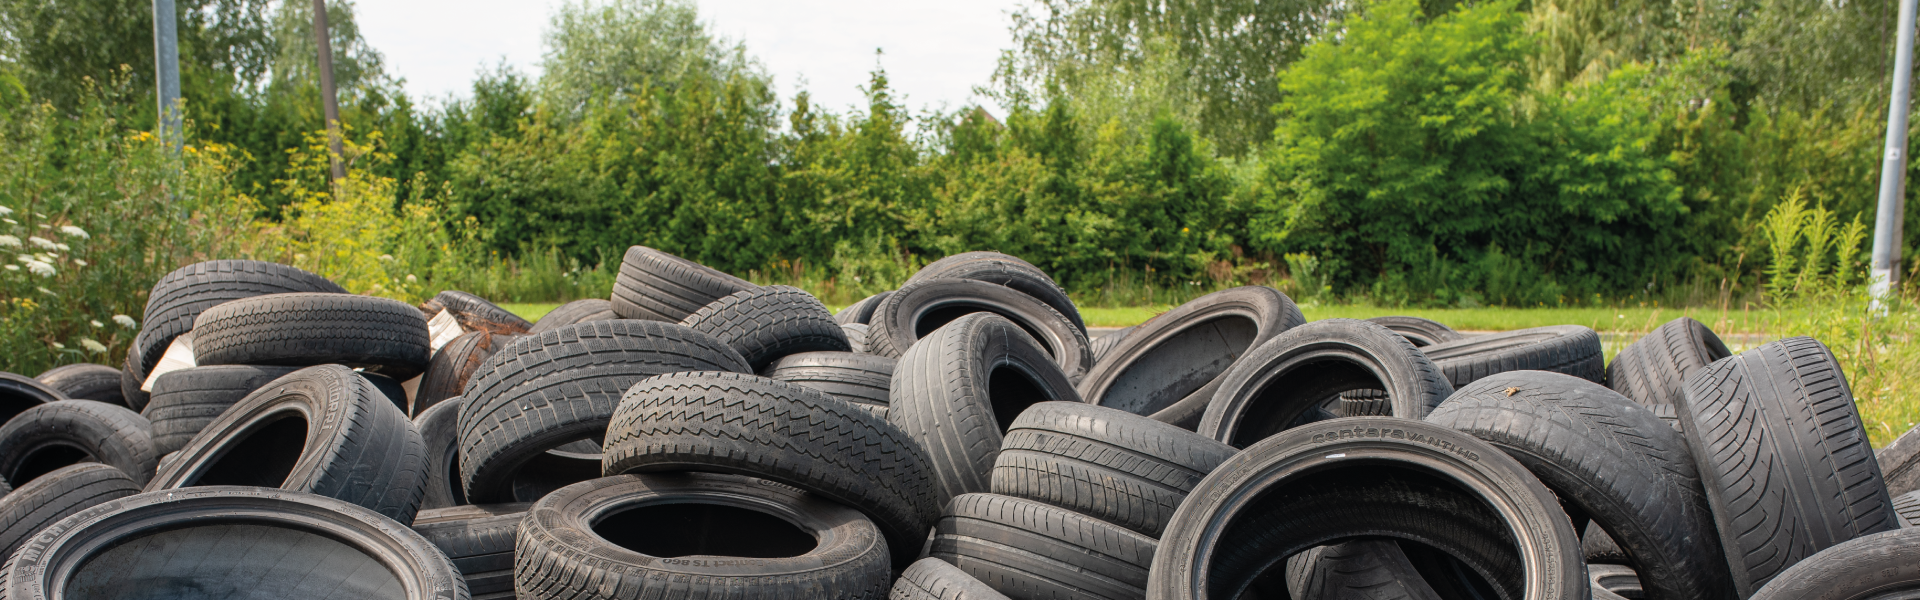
pixel 694 435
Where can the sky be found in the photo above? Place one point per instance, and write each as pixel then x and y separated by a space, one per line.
pixel 936 51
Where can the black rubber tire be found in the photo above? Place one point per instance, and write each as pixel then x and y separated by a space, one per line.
pixel 86 381
pixel 1614 581
pixel 1361 569
pixel 859 313
pixel 916 310
pixel 60 493
pixel 1873 567
pixel 57 434
pixel 377 335
pixel 959 390
pixel 1900 462
pixel 1421 332
pixel 783 543
pixel 270 543
pixel 20 393
pixel 1653 369
pixel 1006 270
pixel 1168 367
pixel 764 324
pixel 1108 464
pixel 862 379
pixel 856 336
pixel 574 313
pixel 1369 476
pixel 1907 508
pixel 1025 549
pixel 450 369
pixel 439 428
pixel 1278 384
pixel 543 392
pixel 656 286
pixel 179 297
pixel 185 401
pixel 1783 456
pixel 1101 345
pixel 1608 460
pixel 476 314
pixel 1600 547
pixel 322 430
pixel 933 579
pixel 478 540
pixel 751 425
pixel 1571 349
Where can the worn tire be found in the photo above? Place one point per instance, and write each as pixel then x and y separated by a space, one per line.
pixel 377 335
pixel 958 390
pixel 590 540
pixel 1374 476
pixel 1900 462
pixel 750 425
pixel 934 579
pixel 1169 367
pixel 1653 369
pixel 1105 343
pixel 477 314
pixel 656 286
pixel 57 434
pixel 321 430
pixel 1026 549
pixel 856 337
pixel 543 392
pixel 1278 384
pixel 219 541
pixel 1783 457
pixel 1006 270
pixel 60 493
pixel 1874 567
pixel 860 312
pixel 764 324
pixel 1421 332
pixel 918 309
pixel 1608 460
pixel 439 428
pixel 450 370
pixel 478 540
pixel 185 401
pixel 1569 349
pixel 1362 569
pixel 86 381
pixel 1108 464
pixel 19 394
pixel 574 313
pixel 1907 508
pixel 180 296
pixel 862 379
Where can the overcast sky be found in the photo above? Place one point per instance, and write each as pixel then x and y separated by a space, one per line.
pixel 935 50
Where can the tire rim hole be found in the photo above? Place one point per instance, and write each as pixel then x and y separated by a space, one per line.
pixel 261 457
pixel 46 460
pixel 939 316
pixel 1180 365
pixel 232 560
pixel 1285 400
pixel 1011 392
pixel 693 529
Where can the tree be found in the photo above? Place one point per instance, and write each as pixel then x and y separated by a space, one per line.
pixel 57 45
pixel 616 47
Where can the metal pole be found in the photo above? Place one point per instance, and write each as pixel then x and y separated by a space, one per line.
pixel 1893 170
pixel 327 94
pixel 166 67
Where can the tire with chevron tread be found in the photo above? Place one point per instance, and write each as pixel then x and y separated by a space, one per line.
pixel 764 324
pixel 377 335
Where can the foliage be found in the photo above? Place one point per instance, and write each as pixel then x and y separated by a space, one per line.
pixel 616 47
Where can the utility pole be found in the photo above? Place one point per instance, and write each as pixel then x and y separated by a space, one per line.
pixel 1893 170
pixel 327 94
pixel 166 67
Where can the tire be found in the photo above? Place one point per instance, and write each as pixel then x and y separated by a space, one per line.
pixel 1610 461
pixel 1374 476
pixel 1278 384
pixel 1108 464
pixel 477 314
pixel 749 425
pixel 1877 566
pixel 1005 270
pixel 60 493
pixel 859 313
pixel 764 324
pixel 1168 367
pixel 1907 508
pixel 1421 332
pixel 1600 547
pixel 86 381
pixel 439 428
pixel 270 543
pixel 1103 344
pixel 450 369
pixel 623 537
pixel 543 392
pixel 320 430
pixel 1900 462
pixel 478 540
pixel 959 390
pixel 1653 369
pixel 1616 581
pixel 19 394
pixel 178 298
pixel 656 286
pixel 1783 457
pixel 57 434
pixel 922 307
pixel 1569 349
pixel 856 336
pixel 1025 549
pixel 862 379
pixel 1362 569
pixel 574 313
pixel 185 401
pixel 934 579
pixel 302 330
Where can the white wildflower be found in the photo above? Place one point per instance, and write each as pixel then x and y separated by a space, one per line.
pixel 63 247
pixel 9 221
pixel 26 258
pixel 9 241
pixel 42 242
pixel 4 211
pixel 40 268
pixel 42 216
pixel 47 292
pixel 79 262
pixel 96 323
pixel 93 346
pixel 410 278
pixel 59 346
pixel 74 231
pixel 386 257
pixel 13 267
pixel 126 321
pixel 45 226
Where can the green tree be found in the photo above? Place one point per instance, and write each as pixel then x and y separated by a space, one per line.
pixel 615 47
